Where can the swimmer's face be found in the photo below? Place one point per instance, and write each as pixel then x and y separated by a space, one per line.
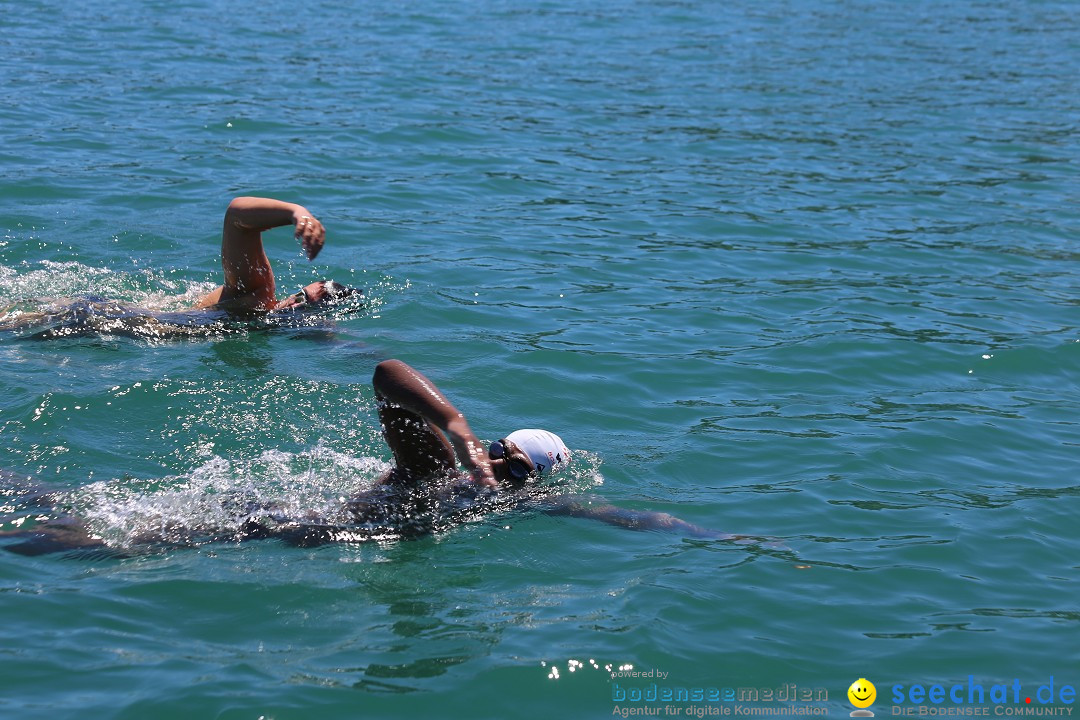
pixel 314 294
pixel 308 295
pixel 509 463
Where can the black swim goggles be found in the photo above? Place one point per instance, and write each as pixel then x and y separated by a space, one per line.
pixel 302 298
pixel 519 469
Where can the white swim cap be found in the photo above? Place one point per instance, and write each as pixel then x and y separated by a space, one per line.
pixel 547 450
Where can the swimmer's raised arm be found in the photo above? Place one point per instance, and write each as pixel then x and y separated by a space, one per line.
pixel 632 519
pixel 249 279
pixel 412 409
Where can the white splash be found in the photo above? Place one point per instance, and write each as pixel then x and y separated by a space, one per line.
pixel 218 497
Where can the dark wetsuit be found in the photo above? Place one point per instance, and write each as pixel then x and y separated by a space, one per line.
pixel 386 512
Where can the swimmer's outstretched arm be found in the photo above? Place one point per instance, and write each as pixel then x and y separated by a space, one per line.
pixel 632 519
pixel 60 535
pixel 249 279
pixel 412 409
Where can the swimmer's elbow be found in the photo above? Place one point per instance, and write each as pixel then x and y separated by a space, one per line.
pixel 235 211
pixel 387 373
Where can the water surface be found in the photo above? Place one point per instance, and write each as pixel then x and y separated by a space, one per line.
pixel 803 270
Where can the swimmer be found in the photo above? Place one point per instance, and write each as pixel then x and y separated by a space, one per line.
pixel 429 438
pixel 249 279
pixel 248 292
pixel 443 476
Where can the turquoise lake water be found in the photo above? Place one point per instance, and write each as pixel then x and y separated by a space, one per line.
pixel 805 271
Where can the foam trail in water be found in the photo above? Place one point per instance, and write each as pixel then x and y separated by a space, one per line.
pixel 220 496
pixel 52 280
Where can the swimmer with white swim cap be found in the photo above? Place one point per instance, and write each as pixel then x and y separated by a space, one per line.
pixel 430 437
pixel 423 493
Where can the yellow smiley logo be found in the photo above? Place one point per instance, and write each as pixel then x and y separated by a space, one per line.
pixel 862 693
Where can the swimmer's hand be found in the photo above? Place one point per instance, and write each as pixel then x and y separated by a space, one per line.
pixel 481 475
pixel 309 231
pixel 471 452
